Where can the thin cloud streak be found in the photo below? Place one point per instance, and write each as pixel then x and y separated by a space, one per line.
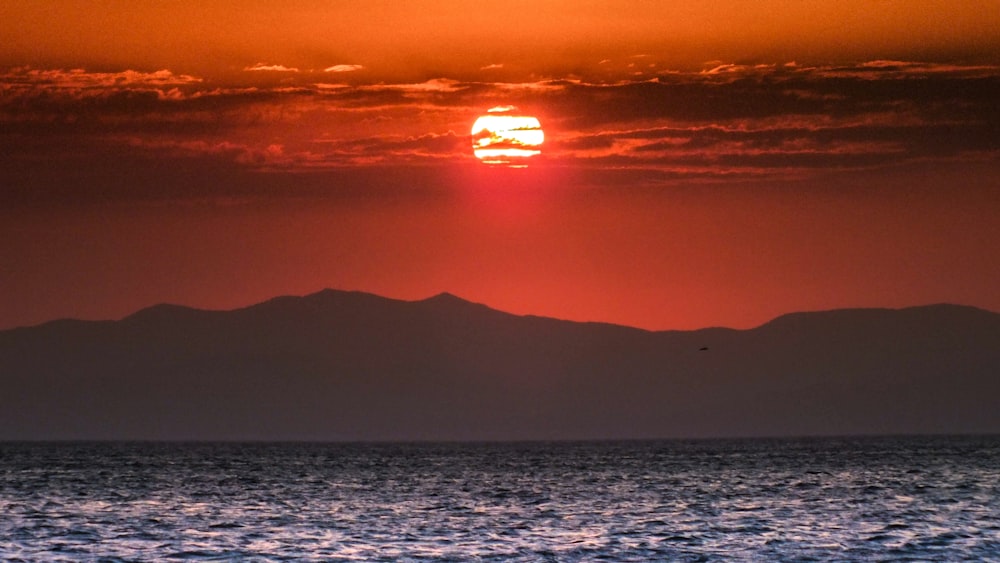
pixel 264 67
pixel 81 78
pixel 343 68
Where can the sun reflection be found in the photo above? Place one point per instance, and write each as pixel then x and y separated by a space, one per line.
pixel 504 137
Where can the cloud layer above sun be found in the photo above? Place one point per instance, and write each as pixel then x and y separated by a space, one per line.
pixel 726 120
pixel 658 92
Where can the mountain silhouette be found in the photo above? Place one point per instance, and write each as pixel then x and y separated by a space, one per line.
pixel 341 365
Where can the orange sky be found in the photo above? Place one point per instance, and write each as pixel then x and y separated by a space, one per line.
pixel 712 163
pixel 393 38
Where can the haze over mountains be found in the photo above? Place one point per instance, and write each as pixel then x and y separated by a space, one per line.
pixel 353 366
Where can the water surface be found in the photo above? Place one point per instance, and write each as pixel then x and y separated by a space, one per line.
pixel 848 499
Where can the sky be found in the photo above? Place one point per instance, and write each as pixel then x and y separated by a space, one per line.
pixel 716 163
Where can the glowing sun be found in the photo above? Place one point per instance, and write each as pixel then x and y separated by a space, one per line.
pixel 504 137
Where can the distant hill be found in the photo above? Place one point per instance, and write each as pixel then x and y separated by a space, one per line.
pixel 353 366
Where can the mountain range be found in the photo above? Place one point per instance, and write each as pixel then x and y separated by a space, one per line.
pixel 351 366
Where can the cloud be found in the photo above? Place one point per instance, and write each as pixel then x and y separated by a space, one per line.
pixel 391 148
pixel 343 68
pixel 433 85
pixel 32 96
pixel 783 119
pixel 78 78
pixel 495 66
pixel 239 152
pixel 727 68
pixel 264 67
pixel 749 119
pixel 897 70
pixel 328 86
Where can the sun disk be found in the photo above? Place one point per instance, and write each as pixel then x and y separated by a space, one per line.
pixel 504 137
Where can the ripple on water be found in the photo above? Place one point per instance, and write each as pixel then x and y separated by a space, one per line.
pixel 935 498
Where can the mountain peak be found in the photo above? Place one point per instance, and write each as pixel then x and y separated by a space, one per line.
pixel 445 297
pixel 937 313
pixel 161 311
pixel 445 300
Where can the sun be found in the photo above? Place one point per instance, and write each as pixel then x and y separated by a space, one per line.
pixel 504 137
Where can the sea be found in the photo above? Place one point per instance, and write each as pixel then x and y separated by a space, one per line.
pixel 844 499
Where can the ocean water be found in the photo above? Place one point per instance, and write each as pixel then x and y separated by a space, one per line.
pixel 811 499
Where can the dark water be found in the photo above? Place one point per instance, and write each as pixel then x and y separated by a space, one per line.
pixel 845 499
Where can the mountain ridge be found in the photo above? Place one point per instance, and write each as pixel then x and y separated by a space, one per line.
pixel 447 298
pixel 337 365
